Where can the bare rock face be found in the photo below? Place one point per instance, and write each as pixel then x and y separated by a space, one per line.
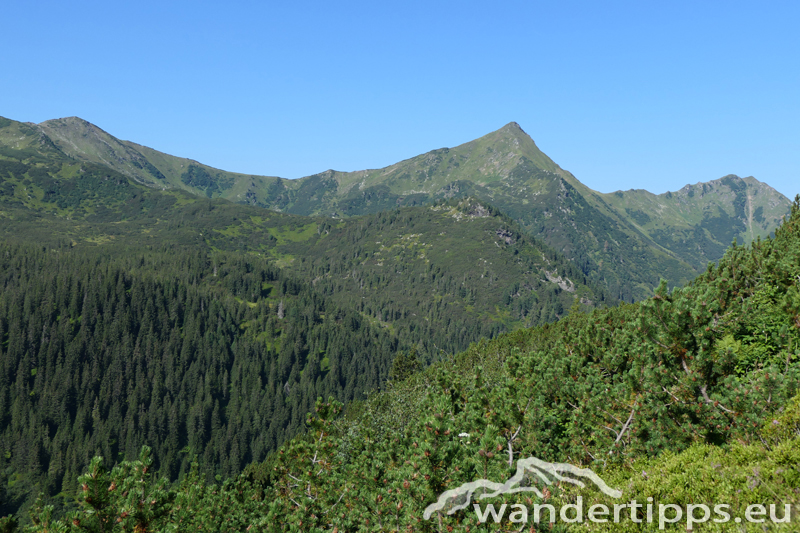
pixel 479 211
pixel 565 283
pixel 505 235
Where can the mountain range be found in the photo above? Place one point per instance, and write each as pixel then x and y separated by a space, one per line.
pixel 436 276
pixel 151 299
pixel 626 240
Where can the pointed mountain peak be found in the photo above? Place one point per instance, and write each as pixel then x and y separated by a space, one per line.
pixel 514 133
pixel 513 141
pixel 513 128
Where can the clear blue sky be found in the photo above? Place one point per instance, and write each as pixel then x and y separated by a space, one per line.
pixel 625 95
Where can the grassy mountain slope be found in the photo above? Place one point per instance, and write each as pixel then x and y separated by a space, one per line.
pixel 46 194
pixel 604 234
pixel 486 162
pixel 506 169
pixel 700 221
pixel 18 138
pixel 84 141
pixel 203 179
pixel 488 166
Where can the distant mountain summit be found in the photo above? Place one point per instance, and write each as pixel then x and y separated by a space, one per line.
pixel 605 234
pixel 494 161
pixel 83 140
pixel 700 221
pixel 626 240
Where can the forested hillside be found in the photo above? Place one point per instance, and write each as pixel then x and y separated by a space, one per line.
pixel 219 353
pixel 443 276
pixel 134 316
pixel 699 374
pixel 711 365
pixel 104 350
pixel 512 280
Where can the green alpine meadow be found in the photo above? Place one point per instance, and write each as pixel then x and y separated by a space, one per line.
pixel 468 340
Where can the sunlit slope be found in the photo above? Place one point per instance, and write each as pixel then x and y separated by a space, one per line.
pixel 602 233
pixel 627 241
pixel 458 270
pixel 700 221
pixel 84 141
pixel 439 277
